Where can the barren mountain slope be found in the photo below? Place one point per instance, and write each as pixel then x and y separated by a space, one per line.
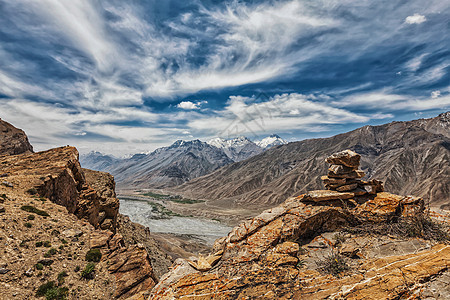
pixel 412 157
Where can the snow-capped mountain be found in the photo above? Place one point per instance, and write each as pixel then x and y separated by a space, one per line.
pixel 270 141
pixel 237 149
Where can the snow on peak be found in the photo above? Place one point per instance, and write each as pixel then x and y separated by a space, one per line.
pixel 270 141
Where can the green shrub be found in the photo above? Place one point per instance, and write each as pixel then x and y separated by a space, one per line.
pixel 34 210
pixel 334 264
pixel 50 252
pixel 77 268
pixel 93 255
pixel 47 244
pixel 57 293
pixel 39 266
pixel 27 225
pixel 44 288
pixel 88 272
pixel 31 217
pixel 39 244
pixel 61 276
pixel 64 241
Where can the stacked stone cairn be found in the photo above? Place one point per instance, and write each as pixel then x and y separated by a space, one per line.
pixel 344 175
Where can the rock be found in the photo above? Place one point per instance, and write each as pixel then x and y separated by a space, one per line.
pixel 349 251
pixel 7 184
pixel 326 195
pixel 340 169
pixel 348 187
pixel 13 141
pixel 71 233
pixel 4 271
pixel 351 175
pixel 28 272
pixel 100 239
pixel 2 209
pixel 4 175
pixel 347 158
pixel 45 261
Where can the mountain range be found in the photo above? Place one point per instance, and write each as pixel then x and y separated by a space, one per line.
pixel 178 163
pixel 411 157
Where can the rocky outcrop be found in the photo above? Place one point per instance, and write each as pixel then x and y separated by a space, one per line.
pixel 281 253
pixel 137 234
pixel 56 174
pixel 13 140
pixel 130 265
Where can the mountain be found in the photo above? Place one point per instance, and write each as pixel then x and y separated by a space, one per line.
pixel 412 157
pixel 169 166
pixel 13 140
pixel 270 141
pixel 236 149
pixel 97 161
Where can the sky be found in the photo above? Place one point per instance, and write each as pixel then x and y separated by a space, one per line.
pixel 123 77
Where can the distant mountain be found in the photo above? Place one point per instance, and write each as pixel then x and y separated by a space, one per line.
pixel 97 161
pixel 236 149
pixel 411 157
pixel 270 141
pixel 169 166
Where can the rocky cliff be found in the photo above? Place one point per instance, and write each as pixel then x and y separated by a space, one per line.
pixel 13 140
pixel 60 232
pixel 325 244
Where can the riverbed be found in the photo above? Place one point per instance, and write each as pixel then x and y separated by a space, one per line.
pixel 153 214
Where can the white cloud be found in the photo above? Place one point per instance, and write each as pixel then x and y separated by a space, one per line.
pixel 435 94
pixel 415 19
pixel 190 105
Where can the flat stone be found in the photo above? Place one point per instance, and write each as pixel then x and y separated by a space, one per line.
pixel 352 175
pixel 71 233
pixel 7 184
pixel 326 195
pixel 4 271
pixel 346 188
pixel 347 158
pixel 341 169
pixel 45 261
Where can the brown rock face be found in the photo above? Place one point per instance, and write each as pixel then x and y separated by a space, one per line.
pixel 13 140
pixel 129 264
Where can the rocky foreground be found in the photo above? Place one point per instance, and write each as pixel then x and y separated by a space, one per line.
pixel 360 243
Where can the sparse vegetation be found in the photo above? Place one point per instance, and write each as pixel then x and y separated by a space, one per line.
pixel 334 264
pixel 61 277
pixel 50 252
pixel 39 266
pixel 64 242
pixel 93 255
pixel 156 196
pixel 339 238
pixel 28 225
pixel 88 272
pixel 185 201
pixel 31 217
pixel 47 244
pixel 301 263
pixel 77 268
pixel 42 290
pixel 39 244
pixel 3 196
pixel 34 210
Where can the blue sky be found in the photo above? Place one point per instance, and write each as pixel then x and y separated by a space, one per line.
pixel 130 76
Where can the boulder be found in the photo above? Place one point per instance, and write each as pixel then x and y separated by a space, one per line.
pixel 347 158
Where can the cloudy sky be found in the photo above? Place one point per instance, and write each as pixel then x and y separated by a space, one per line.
pixel 129 76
